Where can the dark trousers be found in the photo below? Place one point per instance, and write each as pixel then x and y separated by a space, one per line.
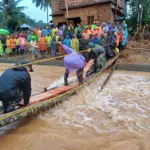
pixel 14 51
pixel 9 103
pixel 79 74
pixel 4 49
pixel 22 51
pixel 49 51
pixel 121 47
pixel 18 50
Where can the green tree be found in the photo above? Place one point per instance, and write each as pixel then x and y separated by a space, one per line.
pixel 140 7
pixel 12 13
pixel 41 24
pixel 43 4
pixel 31 22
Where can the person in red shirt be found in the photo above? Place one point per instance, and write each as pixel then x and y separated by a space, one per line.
pixel 120 38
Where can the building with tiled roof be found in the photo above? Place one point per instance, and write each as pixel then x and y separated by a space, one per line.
pixel 86 10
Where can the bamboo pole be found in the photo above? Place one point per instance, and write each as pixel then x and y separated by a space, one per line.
pixel 47 15
pixel 37 108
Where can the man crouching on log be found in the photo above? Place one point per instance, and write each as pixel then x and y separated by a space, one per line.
pixel 73 62
pixel 98 54
pixel 15 85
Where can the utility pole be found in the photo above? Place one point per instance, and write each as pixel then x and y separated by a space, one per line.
pixel 141 15
pixel 47 14
pixel 116 8
pixel 67 13
pixel 139 31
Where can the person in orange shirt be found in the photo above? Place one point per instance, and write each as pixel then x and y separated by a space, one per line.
pixel 86 33
pixel 90 29
pixel 98 31
pixel 12 45
pixel 42 45
pixel 94 31
pixel 36 31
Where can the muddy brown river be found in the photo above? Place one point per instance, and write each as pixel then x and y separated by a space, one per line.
pixel 116 118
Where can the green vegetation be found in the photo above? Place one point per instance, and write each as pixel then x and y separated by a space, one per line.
pixel 139 12
pixel 11 15
pixel 43 4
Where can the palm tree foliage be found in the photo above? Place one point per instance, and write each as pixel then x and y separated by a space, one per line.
pixel 43 4
pixel 12 14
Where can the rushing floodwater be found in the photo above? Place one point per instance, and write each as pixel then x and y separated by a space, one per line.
pixel 118 118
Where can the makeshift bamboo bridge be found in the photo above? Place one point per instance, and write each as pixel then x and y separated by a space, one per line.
pixel 50 101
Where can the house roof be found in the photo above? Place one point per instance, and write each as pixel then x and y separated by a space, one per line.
pixel 82 4
pixel 25 26
pixel 90 2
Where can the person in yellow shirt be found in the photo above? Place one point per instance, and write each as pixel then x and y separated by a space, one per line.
pixel 17 43
pixel 8 49
pixel 54 30
pixel 57 37
pixel 54 44
pixel 48 40
pixel 1 47
pixel 39 32
pixel 75 43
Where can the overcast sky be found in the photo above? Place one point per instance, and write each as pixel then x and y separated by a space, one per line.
pixel 34 12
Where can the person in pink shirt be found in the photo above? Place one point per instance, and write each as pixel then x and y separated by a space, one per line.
pixel 22 44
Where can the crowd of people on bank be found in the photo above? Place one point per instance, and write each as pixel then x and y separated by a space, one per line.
pixel 41 41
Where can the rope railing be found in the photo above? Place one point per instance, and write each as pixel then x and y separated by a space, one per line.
pixel 49 59
pixel 41 105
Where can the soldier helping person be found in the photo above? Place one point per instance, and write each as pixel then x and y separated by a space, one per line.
pixel 98 54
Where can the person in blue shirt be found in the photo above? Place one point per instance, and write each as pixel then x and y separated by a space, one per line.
pixel 96 39
pixel 67 41
pixel 49 30
pixel 44 31
pixel 125 37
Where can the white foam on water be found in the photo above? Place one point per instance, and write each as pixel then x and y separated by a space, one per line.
pixel 60 82
pixel 123 104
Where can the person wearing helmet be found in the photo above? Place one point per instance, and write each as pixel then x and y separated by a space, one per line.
pixel 15 86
